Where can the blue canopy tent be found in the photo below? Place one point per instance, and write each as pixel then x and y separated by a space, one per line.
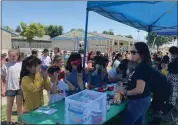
pixel 144 15
pixel 171 32
pixel 168 33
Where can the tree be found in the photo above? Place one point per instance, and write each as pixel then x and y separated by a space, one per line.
pixel 32 30
pixel 160 40
pixel 110 32
pixel 95 31
pixel 8 28
pixel 18 29
pixel 80 29
pixel 129 36
pixel 53 30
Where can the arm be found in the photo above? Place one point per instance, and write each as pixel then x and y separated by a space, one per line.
pixel 139 88
pixel 31 85
pixel 71 87
pixel 54 87
pixel 46 84
pixel 3 74
pixel 3 90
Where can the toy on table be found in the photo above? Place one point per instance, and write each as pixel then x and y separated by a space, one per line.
pixel 100 89
pixel 89 86
pixel 110 88
pixel 117 98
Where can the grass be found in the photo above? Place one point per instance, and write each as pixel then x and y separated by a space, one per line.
pixel 14 116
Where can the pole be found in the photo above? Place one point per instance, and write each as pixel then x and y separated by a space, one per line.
pixel 85 45
pixel 154 42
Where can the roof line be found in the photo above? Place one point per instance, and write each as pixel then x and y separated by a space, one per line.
pixel 8 31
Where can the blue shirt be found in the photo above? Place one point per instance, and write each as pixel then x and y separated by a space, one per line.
pixel 72 78
pixel 97 80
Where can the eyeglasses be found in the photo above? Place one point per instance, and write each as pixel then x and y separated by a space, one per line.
pixel 133 52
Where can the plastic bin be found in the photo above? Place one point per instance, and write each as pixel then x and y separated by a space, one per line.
pixel 85 107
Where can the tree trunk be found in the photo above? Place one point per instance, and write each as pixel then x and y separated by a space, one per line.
pixel 30 43
pixel 157 48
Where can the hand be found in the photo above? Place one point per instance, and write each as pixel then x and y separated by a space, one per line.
pixel 56 76
pixel 121 90
pixel 40 87
pixel 38 68
pixel 44 74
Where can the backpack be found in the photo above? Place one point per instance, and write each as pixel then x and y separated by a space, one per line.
pixel 160 86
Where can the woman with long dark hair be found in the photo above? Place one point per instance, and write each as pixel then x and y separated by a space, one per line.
pixel 138 90
pixel 74 77
pixel 97 77
pixel 33 79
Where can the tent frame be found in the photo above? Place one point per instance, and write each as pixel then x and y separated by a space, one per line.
pixel 148 28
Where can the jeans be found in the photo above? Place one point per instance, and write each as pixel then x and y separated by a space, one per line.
pixel 136 110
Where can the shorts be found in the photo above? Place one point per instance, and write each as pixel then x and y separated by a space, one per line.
pixel 12 93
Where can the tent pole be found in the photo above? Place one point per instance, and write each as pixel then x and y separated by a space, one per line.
pixel 85 46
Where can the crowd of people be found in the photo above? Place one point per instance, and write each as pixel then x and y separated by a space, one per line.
pixel 63 75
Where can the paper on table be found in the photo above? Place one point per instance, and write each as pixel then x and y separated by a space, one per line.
pixel 46 111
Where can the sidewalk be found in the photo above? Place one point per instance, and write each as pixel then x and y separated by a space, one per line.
pixel 3 99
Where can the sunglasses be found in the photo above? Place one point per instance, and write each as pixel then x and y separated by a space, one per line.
pixel 133 52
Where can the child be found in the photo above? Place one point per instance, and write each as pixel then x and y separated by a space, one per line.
pixel 33 81
pixel 98 76
pixel 10 74
pixel 57 61
pixel 46 60
pixel 73 75
pixel 58 86
pixel 164 67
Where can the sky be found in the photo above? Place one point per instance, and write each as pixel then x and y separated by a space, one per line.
pixel 69 14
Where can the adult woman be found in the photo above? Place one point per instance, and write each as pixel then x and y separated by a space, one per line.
pixel 138 90
pixel 173 73
pixel 73 75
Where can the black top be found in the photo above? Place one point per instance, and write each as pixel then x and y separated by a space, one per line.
pixel 142 72
pixel 160 86
pixel 123 66
pixel 173 66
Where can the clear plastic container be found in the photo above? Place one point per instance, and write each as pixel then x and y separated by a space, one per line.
pixel 81 108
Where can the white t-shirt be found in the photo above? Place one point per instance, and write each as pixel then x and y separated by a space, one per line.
pixel 59 96
pixel 11 72
pixel 46 60
pixel 116 64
